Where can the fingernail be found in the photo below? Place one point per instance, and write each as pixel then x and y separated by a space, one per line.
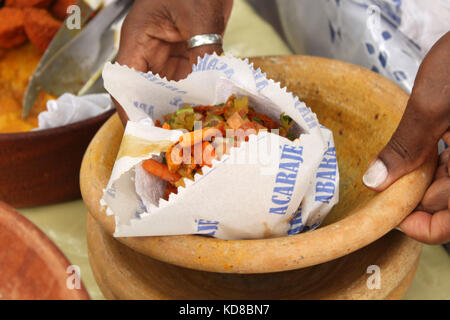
pixel 398 228
pixel 376 174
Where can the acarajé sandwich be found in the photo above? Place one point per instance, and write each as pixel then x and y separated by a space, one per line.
pixel 234 119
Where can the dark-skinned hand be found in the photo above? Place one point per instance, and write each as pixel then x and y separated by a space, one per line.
pixel 425 121
pixel 155 33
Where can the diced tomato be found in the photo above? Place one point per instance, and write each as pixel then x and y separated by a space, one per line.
pixel 202 109
pixel 267 121
pixel 169 190
pixel 208 154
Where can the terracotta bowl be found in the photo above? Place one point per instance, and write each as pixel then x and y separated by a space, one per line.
pixel 42 167
pixel 362 109
pixel 32 267
pixel 122 273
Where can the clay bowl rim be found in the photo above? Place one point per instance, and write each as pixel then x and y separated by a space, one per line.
pixel 37 237
pixel 25 156
pixel 56 130
pixel 347 235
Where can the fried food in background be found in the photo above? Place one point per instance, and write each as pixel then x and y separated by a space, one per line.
pixel 40 27
pixel 22 19
pixel 12 31
pixel 28 3
pixel 59 8
pixel 16 66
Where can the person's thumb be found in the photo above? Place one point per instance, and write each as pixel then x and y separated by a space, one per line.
pixel 408 148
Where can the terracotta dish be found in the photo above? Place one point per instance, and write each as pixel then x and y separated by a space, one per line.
pixel 362 109
pixel 31 266
pixel 122 273
pixel 42 167
pixel 36 167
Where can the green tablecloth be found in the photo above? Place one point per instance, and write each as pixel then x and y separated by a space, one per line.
pixel 247 35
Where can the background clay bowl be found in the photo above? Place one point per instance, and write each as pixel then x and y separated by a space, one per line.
pixel 122 273
pixel 42 167
pixel 362 109
pixel 31 266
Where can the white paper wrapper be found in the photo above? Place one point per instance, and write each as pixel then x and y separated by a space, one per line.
pixel 70 109
pixel 267 187
pixel 95 4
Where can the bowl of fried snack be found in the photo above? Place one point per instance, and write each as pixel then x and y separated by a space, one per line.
pixel 37 167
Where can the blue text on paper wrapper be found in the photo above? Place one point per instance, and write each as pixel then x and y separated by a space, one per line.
pixel 291 157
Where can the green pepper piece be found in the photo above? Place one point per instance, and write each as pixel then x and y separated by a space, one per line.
pixel 257 119
pixel 285 120
pixel 290 136
pixel 185 111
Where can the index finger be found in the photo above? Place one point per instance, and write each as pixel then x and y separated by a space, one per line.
pixel 427 228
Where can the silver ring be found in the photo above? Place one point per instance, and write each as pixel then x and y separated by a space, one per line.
pixel 204 39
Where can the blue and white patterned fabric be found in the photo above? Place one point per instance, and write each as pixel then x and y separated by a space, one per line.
pixel 390 37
